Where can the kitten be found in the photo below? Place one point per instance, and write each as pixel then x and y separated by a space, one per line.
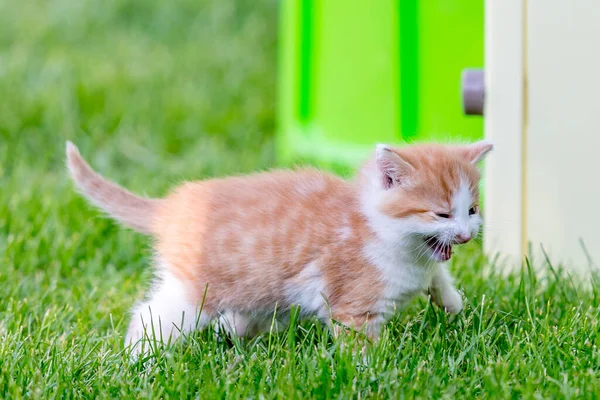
pixel 345 251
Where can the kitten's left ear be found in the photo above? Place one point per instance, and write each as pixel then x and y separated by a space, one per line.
pixel 477 151
pixel 393 169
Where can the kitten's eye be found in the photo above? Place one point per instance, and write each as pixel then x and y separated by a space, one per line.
pixel 443 215
pixel 473 210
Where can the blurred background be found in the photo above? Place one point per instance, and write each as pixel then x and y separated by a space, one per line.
pixel 189 88
pixel 178 87
pixel 185 80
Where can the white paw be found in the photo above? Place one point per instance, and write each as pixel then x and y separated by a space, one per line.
pixel 232 324
pixel 135 344
pixel 452 301
pixel 137 340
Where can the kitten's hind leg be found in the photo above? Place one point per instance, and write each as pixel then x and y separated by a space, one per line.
pixel 164 316
pixel 232 323
pixel 367 325
pixel 241 324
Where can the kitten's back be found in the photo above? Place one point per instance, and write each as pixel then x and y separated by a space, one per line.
pixel 265 226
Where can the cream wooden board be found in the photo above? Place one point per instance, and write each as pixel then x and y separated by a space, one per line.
pixel 503 126
pixel 563 138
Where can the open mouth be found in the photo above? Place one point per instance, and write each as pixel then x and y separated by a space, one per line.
pixel 441 251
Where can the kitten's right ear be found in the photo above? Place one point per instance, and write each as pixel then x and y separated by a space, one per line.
pixel 477 151
pixel 393 169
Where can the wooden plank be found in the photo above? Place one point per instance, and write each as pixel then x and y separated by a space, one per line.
pixel 563 140
pixel 504 126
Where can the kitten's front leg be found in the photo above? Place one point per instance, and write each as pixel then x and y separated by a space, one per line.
pixel 443 293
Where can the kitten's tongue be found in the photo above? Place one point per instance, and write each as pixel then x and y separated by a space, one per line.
pixel 442 253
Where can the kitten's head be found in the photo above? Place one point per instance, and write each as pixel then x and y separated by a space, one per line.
pixel 426 192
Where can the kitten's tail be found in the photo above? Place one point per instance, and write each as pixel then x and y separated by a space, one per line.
pixel 133 211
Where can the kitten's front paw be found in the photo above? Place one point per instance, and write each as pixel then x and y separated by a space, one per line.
pixel 452 301
pixel 449 299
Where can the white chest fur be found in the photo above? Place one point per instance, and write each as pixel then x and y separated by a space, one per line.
pixel 403 276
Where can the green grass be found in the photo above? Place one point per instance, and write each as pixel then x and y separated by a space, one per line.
pixel 157 92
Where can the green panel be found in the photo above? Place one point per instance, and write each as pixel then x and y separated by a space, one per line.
pixel 356 71
pixel 450 39
pixel 304 81
pixel 408 38
pixel 351 85
pixel 353 73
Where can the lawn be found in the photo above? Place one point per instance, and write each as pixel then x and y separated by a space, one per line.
pixel 157 92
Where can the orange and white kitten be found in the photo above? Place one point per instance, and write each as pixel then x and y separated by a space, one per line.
pixel 347 251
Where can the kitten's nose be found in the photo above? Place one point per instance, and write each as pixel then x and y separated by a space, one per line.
pixel 462 238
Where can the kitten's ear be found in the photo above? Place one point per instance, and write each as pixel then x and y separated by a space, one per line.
pixel 477 151
pixel 393 169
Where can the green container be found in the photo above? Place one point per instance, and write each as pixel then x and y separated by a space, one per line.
pixel 355 73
